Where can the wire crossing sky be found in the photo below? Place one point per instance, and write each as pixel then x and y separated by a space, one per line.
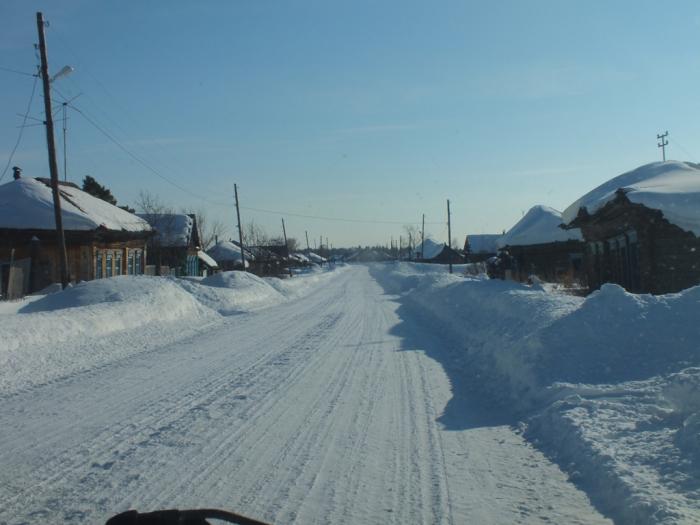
pixel 353 118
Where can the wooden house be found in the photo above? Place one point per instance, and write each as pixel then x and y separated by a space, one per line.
pixel 641 229
pixel 538 245
pixel 430 251
pixel 479 247
pixel 175 248
pixel 227 255
pixel 102 240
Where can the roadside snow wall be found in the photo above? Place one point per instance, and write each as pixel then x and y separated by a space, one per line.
pixel 609 384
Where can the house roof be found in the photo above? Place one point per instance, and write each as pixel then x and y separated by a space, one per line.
pixel 672 187
pixel 431 248
pixel 540 225
pixel 206 259
pixel 173 230
pixel 316 258
pixel 483 243
pixel 226 251
pixel 27 204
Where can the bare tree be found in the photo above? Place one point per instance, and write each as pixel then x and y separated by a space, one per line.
pixel 292 244
pixel 254 234
pixel 209 230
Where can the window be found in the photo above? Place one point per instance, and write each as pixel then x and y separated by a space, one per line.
pixel 118 262
pixel 130 263
pixel 109 259
pixel 98 264
pixel 138 260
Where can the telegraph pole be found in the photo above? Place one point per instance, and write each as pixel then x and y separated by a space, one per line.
pixel 308 248
pixel 284 232
pixel 449 231
pixel 662 144
pixel 422 237
pixel 240 229
pixel 53 166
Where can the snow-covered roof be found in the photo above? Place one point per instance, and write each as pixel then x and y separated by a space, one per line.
pixel 301 257
pixel 672 187
pixel 483 243
pixel 224 251
pixel 430 248
pixel 540 225
pixel 316 258
pixel 27 203
pixel 207 260
pixel 173 230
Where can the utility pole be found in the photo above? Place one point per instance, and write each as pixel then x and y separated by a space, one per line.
pixel 65 160
pixel 240 229
pixel 449 232
pixel 53 166
pixel 410 249
pixel 308 248
pixel 422 236
pixel 284 232
pixel 662 144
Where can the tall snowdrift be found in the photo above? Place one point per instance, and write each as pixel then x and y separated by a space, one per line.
pixel 610 384
pixel 101 321
pixel 672 187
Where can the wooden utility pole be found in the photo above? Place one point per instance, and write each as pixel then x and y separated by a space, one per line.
pixel 662 144
pixel 410 249
pixel 449 232
pixel 284 232
pixel 240 229
pixel 53 166
pixel 422 237
pixel 308 248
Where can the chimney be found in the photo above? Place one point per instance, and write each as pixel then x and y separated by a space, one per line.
pixel 16 172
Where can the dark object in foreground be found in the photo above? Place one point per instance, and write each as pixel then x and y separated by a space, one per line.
pixel 179 517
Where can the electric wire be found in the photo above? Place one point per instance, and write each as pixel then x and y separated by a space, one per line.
pixel 21 129
pixel 9 70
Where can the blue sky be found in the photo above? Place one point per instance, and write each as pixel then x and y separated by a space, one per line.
pixel 362 109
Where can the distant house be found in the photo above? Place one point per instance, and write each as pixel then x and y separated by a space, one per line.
pixel 102 240
pixel 439 253
pixel 480 247
pixel 227 255
pixel 176 246
pixel 538 245
pixel 641 229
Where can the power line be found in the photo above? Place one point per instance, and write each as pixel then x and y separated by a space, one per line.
pixel 21 129
pixel 335 219
pixel 9 70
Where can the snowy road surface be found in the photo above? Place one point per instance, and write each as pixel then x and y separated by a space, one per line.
pixel 321 410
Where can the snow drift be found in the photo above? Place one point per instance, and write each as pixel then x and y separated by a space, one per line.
pixel 609 384
pixel 101 321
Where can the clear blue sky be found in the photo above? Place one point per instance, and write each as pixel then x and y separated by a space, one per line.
pixel 360 109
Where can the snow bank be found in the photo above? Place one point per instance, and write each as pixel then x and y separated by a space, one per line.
pixel 609 384
pixel 671 186
pixel 101 321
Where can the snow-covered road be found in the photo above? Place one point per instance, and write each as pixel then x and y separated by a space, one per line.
pixel 324 409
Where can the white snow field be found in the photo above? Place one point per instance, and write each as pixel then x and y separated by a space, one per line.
pixel 332 402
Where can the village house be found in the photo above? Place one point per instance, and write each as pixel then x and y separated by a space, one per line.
pixel 430 251
pixel 641 229
pixel 102 240
pixel 176 249
pixel 227 255
pixel 538 245
pixel 479 247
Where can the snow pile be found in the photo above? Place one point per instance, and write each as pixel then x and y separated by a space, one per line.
pixel 540 225
pixel 672 187
pixel 93 323
pixel 82 327
pixel 27 203
pixel 609 384
pixel 233 292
